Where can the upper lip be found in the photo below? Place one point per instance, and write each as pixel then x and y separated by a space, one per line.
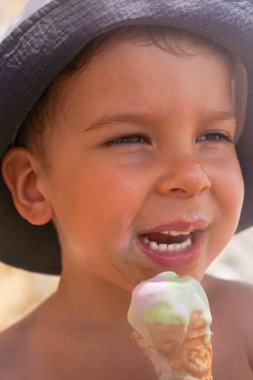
pixel 178 225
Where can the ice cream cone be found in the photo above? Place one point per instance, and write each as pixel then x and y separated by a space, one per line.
pixel 172 327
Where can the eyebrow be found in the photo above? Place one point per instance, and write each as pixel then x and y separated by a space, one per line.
pixel 220 115
pixel 122 118
pixel 149 118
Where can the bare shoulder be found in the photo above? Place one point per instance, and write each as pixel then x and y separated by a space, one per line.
pixel 13 344
pixel 231 295
pixel 25 347
pixel 231 299
pixel 231 303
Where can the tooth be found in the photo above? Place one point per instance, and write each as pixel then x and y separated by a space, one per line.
pixel 145 240
pixel 162 247
pixel 184 245
pixel 166 232
pixel 179 247
pixel 171 247
pixel 177 233
pixel 176 247
pixel 153 245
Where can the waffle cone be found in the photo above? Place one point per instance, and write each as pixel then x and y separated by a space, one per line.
pixel 187 358
pixel 195 359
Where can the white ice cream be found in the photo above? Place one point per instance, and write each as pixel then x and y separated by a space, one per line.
pixel 168 299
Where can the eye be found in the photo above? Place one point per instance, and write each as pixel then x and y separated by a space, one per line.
pixel 215 137
pixel 128 139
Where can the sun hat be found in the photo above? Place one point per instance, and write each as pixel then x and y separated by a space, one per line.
pixel 49 34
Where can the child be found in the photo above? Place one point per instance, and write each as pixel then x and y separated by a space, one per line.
pixel 118 127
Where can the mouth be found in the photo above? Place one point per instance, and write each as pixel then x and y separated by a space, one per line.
pixel 172 247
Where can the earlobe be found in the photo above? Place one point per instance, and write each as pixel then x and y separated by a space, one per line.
pixel 19 171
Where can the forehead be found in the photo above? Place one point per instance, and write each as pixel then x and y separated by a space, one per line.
pixel 131 83
pixel 131 72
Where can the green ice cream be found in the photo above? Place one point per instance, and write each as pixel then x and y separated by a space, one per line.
pixel 168 299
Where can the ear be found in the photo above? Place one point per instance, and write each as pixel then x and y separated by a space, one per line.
pixel 20 173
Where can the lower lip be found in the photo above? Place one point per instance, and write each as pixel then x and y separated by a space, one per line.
pixel 175 259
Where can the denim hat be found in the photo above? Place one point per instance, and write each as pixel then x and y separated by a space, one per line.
pixel 49 34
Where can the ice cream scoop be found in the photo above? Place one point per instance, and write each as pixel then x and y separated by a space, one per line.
pixel 171 320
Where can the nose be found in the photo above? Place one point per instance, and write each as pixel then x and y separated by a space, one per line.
pixel 184 178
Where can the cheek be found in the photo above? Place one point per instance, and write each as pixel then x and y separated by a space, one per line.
pixel 228 188
pixel 104 206
pixel 232 188
pixel 118 200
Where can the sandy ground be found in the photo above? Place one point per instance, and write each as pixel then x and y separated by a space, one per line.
pixel 21 291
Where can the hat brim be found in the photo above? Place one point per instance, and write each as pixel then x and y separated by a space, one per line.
pixel 36 51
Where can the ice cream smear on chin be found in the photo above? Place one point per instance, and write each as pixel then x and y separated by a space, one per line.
pixel 171 319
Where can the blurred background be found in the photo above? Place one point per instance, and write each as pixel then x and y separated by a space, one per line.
pixel 21 291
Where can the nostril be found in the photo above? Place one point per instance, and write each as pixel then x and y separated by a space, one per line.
pixel 177 190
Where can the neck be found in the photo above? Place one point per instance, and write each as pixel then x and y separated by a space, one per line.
pixel 90 299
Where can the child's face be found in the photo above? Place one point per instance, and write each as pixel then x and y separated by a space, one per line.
pixel 176 166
